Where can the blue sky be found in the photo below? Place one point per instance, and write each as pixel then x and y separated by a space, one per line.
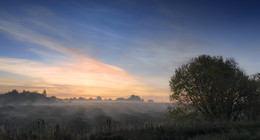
pixel 117 40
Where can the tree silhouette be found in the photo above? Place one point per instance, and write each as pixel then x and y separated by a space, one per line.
pixel 99 98
pixel 211 87
pixel 44 93
pixel 14 97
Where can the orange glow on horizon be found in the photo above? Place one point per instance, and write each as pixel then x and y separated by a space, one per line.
pixel 83 77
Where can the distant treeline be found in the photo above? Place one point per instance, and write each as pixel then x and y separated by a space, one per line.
pixel 26 97
pixel 34 97
pixel 99 98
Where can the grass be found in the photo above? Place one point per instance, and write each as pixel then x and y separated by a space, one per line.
pixel 175 131
pixel 196 131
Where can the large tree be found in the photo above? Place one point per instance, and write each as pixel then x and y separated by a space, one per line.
pixel 211 87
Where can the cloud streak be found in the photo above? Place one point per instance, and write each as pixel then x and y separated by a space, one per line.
pixel 74 74
pixel 82 78
pixel 84 72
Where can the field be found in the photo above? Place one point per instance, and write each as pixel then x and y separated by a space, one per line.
pixel 77 119
pixel 111 120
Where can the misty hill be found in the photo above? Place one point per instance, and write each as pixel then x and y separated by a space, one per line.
pixel 28 97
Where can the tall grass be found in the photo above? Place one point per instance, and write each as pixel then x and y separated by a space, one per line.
pixel 148 131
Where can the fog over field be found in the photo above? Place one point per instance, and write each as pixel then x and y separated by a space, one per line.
pixel 82 115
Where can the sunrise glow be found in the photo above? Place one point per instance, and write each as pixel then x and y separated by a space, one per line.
pixel 117 48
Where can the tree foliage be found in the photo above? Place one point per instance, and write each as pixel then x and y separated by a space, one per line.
pixel 213 88
pixel 253 110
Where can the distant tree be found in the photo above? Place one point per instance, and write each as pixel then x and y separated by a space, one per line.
pixel 135 98
pixel 212 88
pixel 150 101
pixel 53 98
pixel 99 98
pixel 14 92
pixel 44 93
pixel 81 98
pixel 120 99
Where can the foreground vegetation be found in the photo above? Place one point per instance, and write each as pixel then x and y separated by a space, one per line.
pixel 178 131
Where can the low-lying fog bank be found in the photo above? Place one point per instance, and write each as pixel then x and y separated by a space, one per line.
pixel 82 115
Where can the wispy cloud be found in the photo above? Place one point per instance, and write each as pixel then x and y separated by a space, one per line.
pixel 78 78
pixel 148 57
pixel 76 74
pixel 26 34
pixel 82 72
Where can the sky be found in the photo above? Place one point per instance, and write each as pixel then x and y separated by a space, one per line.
pixel 116 48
